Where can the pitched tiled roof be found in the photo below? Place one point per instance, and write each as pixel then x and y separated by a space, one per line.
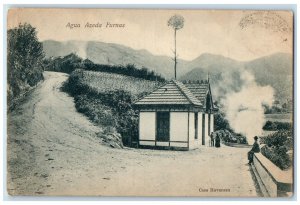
pixel 198 88
pixel 173 93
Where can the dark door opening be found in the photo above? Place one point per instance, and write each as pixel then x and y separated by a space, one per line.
pixel 203 129
pixel 163 126
pixel 196 125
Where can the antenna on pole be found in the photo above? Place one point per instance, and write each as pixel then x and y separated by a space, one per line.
pixel 208 77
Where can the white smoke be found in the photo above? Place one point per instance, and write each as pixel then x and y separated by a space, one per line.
pixel 78 47
pixel 81 49
pixel 244 109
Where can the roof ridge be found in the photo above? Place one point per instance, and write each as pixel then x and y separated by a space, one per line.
pixel 142 97
pixel 204 82
pixel 160 96
pixel 180 85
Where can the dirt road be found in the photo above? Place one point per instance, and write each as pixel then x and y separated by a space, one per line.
pixel 53 150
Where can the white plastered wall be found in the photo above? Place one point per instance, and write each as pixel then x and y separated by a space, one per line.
pixel 206 130
pixel 198 142
pixel 147 127
pixel 178 128
pixel 191 130
pixel 211 123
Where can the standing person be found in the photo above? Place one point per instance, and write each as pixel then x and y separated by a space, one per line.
pixel 255 149
pixel 218 140
pixel 212 139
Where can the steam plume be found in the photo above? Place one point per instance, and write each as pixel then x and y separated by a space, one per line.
pixel 81 49
pixel 244 108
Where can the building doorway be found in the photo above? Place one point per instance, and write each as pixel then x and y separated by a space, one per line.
pixel 163 126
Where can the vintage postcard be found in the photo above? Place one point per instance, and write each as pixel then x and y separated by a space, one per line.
pixel 150 102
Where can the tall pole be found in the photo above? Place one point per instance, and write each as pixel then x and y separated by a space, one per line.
pixel 177 22
pixel 175 59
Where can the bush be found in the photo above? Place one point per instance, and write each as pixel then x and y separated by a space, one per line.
pixel 111 138
pixel 66 64
pixel 95 110
pixel 241 139
pixel 24 61
pixel 276 148
pixel 227 134
pixel 71 62
pixel 277 155
pixel 105 103
pixel 231 137
pixel 274 126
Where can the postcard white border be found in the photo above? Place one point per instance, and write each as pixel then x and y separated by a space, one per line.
pixel 187 4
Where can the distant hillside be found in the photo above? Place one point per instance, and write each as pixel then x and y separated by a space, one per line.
pixel 274 70
pixel 114 54
pixel 214 63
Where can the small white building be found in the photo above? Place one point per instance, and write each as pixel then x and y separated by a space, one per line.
pixel 177 115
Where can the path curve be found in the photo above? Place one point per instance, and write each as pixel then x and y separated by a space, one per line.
pixel 53 150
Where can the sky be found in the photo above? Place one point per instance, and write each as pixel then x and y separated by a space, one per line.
pixel 241 35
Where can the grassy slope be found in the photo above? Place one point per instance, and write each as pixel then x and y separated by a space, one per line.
pixel 102 82
pixel 107 99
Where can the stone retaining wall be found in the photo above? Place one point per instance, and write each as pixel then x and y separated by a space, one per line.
pixel 273 181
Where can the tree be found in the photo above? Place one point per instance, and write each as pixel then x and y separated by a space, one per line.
pixel 221 123
pixel 24 59
pixel 177 22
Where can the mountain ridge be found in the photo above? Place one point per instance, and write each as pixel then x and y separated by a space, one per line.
pixel 275 70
